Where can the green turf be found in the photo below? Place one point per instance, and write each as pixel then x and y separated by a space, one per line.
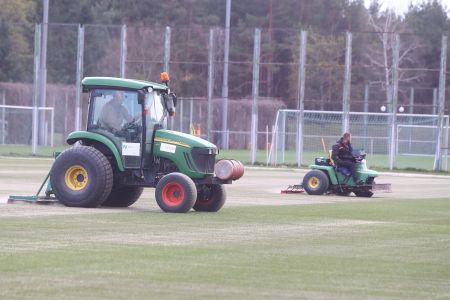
pixel 384 249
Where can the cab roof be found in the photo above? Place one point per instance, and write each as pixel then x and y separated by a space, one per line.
pixel 121 83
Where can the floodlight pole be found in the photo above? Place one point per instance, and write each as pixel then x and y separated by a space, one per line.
pixel 301 96
pixel 43 71
pixel 225 77
pixel 393 134
pixel 80 55
pixel 347 81
pixel 442 78
pixel 255 93
pixel 210 83
pixel 35 117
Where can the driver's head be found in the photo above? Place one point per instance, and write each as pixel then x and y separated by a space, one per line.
pixel 347 138
pixel 118 97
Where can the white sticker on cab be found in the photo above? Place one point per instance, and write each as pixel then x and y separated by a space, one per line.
pixel 131 149
pixel 168 148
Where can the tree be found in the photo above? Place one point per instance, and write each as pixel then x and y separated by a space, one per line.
pixel 16 36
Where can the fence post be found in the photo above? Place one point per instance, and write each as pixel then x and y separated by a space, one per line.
pixel 191 114
pixel 210 83
pixel 166 66
pixel 3 117
pixel 411 119
pixel 442 78
pixel 80 52
pixel 181 114
pixel 255 94
pixel 123 50
pixel 35 118
pixel 393 135
pixel 366 110
pixel 435 102
pixel 301 96
pixel 347 81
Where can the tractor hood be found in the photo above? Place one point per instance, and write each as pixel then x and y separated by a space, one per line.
pixel 193 156
pixel 182 140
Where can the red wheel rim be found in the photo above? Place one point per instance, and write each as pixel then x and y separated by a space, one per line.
pixel 173 193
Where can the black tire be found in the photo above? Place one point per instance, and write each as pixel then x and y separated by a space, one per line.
pixel 81 177
pixel 210 197
pixel 366 194
pixel 176 193
pixel 315 182
pixel 344 194
pixel 123 196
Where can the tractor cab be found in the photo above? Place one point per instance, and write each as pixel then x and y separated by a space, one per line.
pixel 127 112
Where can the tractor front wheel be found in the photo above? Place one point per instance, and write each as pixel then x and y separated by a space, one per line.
pixel 176 193
pixel 210 197
pixel 82 177
pixel 315 182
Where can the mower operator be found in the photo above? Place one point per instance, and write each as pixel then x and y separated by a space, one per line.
pixel 341 154
pixel 114 114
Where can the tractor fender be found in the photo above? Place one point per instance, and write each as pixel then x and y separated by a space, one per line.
pixel 329 170
pixel 98 138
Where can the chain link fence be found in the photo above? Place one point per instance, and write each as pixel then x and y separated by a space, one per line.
pixel 268 70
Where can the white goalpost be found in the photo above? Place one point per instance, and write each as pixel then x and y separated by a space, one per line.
pixel 19 125
pixel 415 135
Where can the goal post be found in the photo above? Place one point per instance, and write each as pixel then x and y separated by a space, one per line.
pixel 18 125
pixel 414 136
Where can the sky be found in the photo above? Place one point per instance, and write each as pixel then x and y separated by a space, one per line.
pixel 401 6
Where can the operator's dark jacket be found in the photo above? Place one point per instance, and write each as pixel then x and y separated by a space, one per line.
pixel 341 152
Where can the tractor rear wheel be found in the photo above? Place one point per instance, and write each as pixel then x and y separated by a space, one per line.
pixel 363 193
pixel 123 196
pixel 210 197
pixel 82 177
pixel 176 193
pixel 315 182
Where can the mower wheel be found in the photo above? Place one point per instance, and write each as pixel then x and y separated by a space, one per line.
pixel 123 196
pixel 366 194
pixel 315 182
pixel 176 193
pixel 81 177
pixel 210 197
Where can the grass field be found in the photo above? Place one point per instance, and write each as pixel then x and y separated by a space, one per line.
pixel 260 245
pixel 396 249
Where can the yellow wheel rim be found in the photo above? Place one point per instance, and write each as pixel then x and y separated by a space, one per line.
pixel 76 178
pixel 313 182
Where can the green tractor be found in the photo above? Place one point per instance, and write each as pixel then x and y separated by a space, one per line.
pixel 325 177
pixel 126 148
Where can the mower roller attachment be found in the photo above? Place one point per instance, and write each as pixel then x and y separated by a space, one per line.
pixel 293 189
pixel 38 199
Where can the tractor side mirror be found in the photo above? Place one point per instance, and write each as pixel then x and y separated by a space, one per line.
pixel 168 101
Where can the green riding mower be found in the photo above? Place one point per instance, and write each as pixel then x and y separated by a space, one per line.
pixel 326 178
pixel 126 148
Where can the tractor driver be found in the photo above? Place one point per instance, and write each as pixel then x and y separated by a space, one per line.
pixel 114 114
pixel 342 156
